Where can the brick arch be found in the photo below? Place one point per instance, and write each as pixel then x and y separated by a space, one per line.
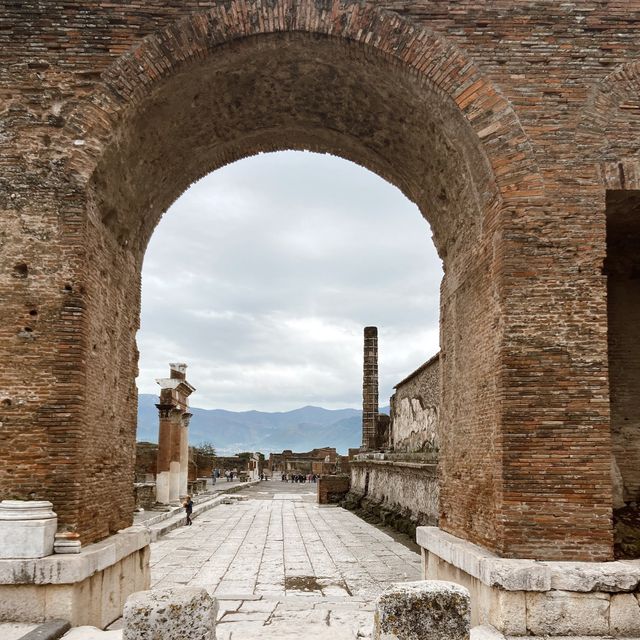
pixel 607 134
pixel 610 115
pixel 411 63
pixel 406 45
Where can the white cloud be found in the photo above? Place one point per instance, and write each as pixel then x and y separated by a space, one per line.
pixel 262 276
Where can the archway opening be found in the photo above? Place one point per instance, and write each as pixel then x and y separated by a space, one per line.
pixel 622 267
pixel 304 91
pixel 262 282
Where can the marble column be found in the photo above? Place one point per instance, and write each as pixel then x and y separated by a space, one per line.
pixel 163 471
pixel 173 439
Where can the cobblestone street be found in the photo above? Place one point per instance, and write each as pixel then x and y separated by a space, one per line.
pixel 281 566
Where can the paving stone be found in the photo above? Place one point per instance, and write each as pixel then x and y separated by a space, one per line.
pixel 256 547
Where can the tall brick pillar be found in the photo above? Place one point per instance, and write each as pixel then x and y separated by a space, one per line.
pixel 173 439
pixel 370 389
pixel 184 452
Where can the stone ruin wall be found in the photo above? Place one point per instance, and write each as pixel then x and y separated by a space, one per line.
pixel 402 489
pixel 414 410
pixel 403 493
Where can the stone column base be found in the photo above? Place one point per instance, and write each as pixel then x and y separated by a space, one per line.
pixel 86 588
pixel 522 597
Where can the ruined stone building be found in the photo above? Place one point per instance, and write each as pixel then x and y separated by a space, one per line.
pixel 512 125
pixel 414 411
pixel 396 480
pixel 321 460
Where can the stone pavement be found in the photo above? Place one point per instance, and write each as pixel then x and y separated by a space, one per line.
pixel 281 566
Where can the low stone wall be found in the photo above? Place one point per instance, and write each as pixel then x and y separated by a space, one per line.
pixel 87 588
pixel 332 489
pixel 521 597
pixel 400 494
pixel 197 486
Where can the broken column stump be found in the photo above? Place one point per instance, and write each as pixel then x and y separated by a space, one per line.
pixel 180 613
pixel 426 610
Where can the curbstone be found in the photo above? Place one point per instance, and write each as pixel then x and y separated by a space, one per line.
pixel 50 630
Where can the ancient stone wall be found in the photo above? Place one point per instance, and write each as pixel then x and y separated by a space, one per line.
pixel 402 490
pixel 144 494
pixel 302 462
pixel 414 410
pixel 506 122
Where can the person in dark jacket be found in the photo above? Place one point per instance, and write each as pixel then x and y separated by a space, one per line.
pixel 188 507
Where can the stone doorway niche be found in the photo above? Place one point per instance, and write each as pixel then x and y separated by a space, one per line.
pixel 622 268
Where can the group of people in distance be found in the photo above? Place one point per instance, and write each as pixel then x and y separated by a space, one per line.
pixel 228 475
pixel 299 477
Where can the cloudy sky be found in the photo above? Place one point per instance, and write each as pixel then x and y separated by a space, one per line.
pixel 263 274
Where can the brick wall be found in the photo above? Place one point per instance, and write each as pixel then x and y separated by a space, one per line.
pixel 505 122
pixel 331 489
pixel 146 460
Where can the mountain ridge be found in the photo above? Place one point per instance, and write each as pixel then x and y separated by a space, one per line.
pixel 300 429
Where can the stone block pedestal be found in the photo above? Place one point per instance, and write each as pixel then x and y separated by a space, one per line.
pixel 521 597
pixel 88 587
pixel 27 528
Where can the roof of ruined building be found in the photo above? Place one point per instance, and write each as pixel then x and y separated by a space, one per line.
pixel 419 370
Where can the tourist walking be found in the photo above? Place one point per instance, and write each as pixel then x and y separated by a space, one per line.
pixel 188 507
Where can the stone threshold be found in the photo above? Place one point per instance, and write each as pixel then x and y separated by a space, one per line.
pixel 617 576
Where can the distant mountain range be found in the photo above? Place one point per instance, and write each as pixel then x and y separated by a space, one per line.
pixel 234 431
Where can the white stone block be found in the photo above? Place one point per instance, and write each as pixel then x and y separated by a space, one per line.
pixel 566 613
pixel 182 613
pixel 27 528
pixel 611 577
pixel 515 575
pixel 486 632
pixel 504 573
pixel 64 544
pixel 91 633
pixel 508 611
pixel 624 616
pixel 432 609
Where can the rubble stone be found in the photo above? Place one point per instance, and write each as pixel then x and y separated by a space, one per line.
pixel 180 613
pixel 428 610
